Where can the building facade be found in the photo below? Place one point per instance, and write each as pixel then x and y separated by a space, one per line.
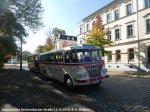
pixel 64 41
pixel 129 24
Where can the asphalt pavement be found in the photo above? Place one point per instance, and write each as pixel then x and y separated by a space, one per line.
pixel 24 91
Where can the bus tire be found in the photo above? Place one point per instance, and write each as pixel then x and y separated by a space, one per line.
pixel 69 83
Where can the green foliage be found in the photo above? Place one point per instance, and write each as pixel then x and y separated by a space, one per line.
pixel 15 15
pixel 47 47
pixel 40 49
pixel 1 59
pixel 57 32
pixel 25 54
pixel 7 45
pixel 97 35
pixel 28 12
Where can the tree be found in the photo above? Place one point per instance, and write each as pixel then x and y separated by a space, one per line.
pixel 97 35
pixel 50 41
pixel 65 44
pixel 25 54
pixel 27 12
pixel 57 32
pixel 48 45
pixel 39 49
pixel 15 15
pixel 24 12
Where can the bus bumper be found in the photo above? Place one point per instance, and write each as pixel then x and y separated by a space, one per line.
pixel 90 81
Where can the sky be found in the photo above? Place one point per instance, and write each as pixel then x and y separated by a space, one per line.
pixel 63 14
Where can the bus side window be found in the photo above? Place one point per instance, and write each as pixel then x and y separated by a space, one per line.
pixel 55 58
pixel 46 58
pixel 51 58
pixel 67 57
pixel 42 58
pixel 73 57
pixel 60 57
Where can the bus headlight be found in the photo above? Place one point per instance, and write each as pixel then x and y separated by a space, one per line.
pixel 104 71
pixel 84 75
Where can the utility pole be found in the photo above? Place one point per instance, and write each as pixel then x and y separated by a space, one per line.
pixel 21 51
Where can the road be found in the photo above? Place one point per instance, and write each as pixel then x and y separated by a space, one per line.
pixel 23 89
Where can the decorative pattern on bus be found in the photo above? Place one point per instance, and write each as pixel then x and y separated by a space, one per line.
pixel 94 70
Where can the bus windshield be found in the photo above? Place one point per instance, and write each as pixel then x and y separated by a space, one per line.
pixel 89 55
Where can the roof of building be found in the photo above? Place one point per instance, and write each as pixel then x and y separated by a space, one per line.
pixel 68 37
pixel 100 9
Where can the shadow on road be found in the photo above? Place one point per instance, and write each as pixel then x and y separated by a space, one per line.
pixel 21 89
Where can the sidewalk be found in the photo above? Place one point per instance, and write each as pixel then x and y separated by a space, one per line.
pixel 130 73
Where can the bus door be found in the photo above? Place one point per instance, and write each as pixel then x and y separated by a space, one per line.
pixel 59 71
pixel 36 61
pixel 66 62
pixel 49 65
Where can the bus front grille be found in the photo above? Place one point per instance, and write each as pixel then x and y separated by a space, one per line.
pixel 94 70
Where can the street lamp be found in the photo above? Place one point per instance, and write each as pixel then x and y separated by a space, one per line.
pixel 137 9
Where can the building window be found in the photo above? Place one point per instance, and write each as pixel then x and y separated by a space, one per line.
pixel 148 26
pixel 131 54
pixel 80 30
pixel 117 34
pixel 118 55
pixel 87 27
pixel 110 56
pixel 116 14
pixel 109 36
pixel 147 3
pixel 108 18
pixel 129 9
pixel 130 31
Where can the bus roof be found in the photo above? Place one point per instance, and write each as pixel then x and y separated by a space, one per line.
pixel 83 46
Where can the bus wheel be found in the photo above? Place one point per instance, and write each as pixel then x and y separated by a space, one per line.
pixel 69 83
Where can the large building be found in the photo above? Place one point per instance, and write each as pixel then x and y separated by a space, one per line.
pixel 64 41
pixel 129 24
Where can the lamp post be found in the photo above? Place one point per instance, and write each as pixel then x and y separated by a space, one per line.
pixel 137 9
pixel 21 51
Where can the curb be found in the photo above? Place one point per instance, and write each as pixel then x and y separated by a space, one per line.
pixel 130 75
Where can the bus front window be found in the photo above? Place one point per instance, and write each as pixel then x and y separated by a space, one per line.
pixel 84 55
pixel 96 55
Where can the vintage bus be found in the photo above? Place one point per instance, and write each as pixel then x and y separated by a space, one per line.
pixel 74 65
pixel 33 62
